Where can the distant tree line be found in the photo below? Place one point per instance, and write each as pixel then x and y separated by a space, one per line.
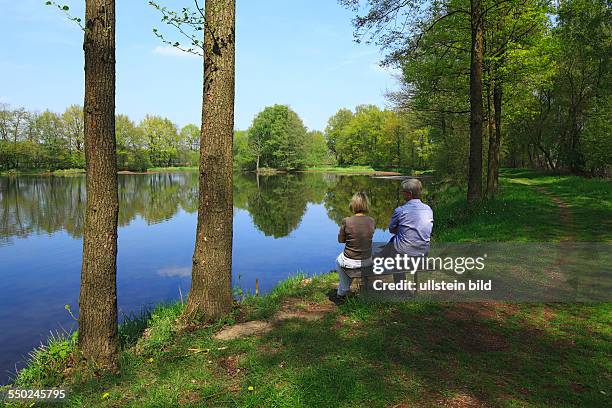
pixel 369 136
pixel 53 141
pixel 278 139
pixel 377 138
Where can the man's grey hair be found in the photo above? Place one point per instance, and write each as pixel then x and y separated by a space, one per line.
pixel 412 186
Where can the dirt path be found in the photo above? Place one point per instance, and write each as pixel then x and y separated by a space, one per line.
pixel 565 215
pixel 565 251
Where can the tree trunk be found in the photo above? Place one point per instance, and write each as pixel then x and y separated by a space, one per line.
pixel 494 120
pixel 490 127
pixel 399 155
pixel 211 292
pixel 98 340
pixel 474 192
pixel 497 105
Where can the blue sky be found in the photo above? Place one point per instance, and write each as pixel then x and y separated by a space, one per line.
pixel 294 52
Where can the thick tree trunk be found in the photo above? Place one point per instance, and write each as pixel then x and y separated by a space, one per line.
pixel 98 339
pixel 474 192
pixel 211 292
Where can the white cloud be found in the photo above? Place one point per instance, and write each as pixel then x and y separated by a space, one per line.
pixel 170 51
pixel 172 271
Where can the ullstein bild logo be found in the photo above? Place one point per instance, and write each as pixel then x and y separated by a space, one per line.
pixel 412 264
pixel 432 285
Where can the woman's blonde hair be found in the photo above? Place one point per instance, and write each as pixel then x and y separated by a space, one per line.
pixel 360 203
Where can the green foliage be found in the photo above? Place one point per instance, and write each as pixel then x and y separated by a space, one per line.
pixel 242 153
pixel 378 138
pixel 597 142
pixel 316 149
pixel 189 23
pixel 46 364
pixel 335 124
pixel 131 148
pixel 64 8
pixel 50 141
pixel 190 135
pixel 161 139
pixel 276 138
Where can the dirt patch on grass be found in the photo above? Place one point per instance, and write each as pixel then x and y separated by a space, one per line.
pixel 230 364
pixel 293 308
pixel 188 398
pixel 243 329
pixel 461 400
pixel 298 309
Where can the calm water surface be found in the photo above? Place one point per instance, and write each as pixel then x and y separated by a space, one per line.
pixel 283 225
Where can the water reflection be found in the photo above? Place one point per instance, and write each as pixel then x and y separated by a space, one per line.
pixel 283 224
pixel 276 203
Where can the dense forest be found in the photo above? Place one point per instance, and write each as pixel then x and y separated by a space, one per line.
pixel 534 74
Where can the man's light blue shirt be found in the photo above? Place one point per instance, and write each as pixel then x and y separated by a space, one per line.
pixel 413 223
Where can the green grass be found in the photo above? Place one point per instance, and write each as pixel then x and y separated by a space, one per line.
pixel 379 354
pixel 342 169
pixel 172 169
pixel 28 172
pixel 522 213
pixel 366 354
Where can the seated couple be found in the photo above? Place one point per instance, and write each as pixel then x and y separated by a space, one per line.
pixel 411 225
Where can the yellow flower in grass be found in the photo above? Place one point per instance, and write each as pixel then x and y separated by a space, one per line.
pixel 251 388
pixel 105 395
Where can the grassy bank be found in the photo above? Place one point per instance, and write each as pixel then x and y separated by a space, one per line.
pixel 41 172
pixel 522 211
pixel 171 169
pixel 66 172
pixel 322 169
pixel 361 354
pixel 351 170
pixel 379 355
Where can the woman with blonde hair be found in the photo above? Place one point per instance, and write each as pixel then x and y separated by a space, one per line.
pixel 356 233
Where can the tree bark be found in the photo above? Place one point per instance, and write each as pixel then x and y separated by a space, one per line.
pixel 474 192
pixel 490 126
pixel 211 294
pixel 497 105
pixel 98 340
pixel 494 134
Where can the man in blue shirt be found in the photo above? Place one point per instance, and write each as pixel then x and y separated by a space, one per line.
pixel 412 224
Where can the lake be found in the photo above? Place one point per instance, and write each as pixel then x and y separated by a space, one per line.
pixel 283 224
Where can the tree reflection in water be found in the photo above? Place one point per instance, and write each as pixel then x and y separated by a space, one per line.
pixel 276 203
